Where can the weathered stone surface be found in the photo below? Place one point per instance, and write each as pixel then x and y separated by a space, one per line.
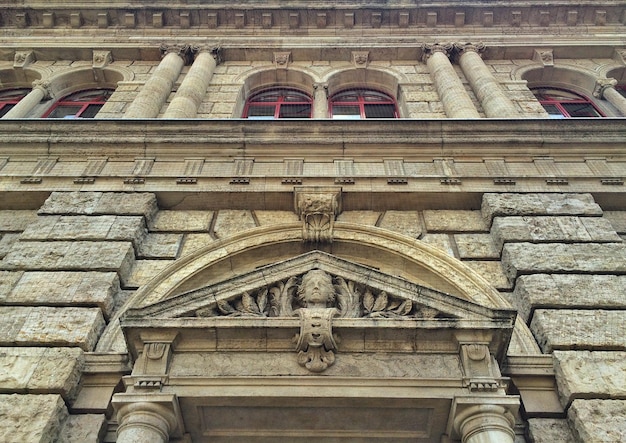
pixel 8 280
pixel 365 218
pixel 181 221
pixel 573 329
pixel 50 326
pixel 490 271
pixel 66 288
pixel 598 420
pixel 549 430
pixel 404 222
pixel 192 242
pixel 163 246
pixel 494 205
pixel 6 243
pixel 476 246
pixel 79 255
pixel 527 258
pixel 231 222
pixel 85 428
pixel 31 418
pixel 441 241
pixel 16 220
pixel 100 203
pixel 617 220
pixel 145 270
pixel 568 290
pixel 552 229
pixel 454 221
pixel 266 218
pixel 585 374
pixel 44 370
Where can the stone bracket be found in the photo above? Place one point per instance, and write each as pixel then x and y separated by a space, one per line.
pixel 544 56
pixel 316 343
pixel 480 368
pixel 360 58
pixel 317 207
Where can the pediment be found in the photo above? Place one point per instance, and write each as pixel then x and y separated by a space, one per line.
pixel 281 289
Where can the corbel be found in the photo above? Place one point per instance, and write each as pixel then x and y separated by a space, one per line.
pixel 544 56
pixel 101 59
pixel 318 208
pixel 23 58
pixel 360 59
pixel 316 344
pixel 282 59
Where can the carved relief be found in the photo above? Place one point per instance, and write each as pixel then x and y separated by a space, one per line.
pixel 101 58
pixel 360 58
pixel 544 56
pixel 282 59
pixel 602 84
pixel 23 59
pixel 480 368
pixel 316 343
pixel 318 209
pixel 429 49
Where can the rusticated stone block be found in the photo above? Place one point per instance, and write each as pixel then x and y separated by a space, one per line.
pixel 50 326
pixel 79 256
pixel 476 246
pixel 162 246
pixel 84 428
pixel 585 374
pixel 440 241
pixel 364 218
pixel 99 203
pixel 42 370
pixel 8 280
pixel 266 218
pixel 505 204
pixel 181 221
pixel 571 329
pixel 404 222
pixel 552 229
pixel 454 221
pixel 146 270
pixel 529 258
pixel 16 220
pixel 66 288
pixel 31 418
pixel 231 222
pixel 193 242
pixel 549 430
pixel 490 271
pixel 598 420
pixel 6 243
pixel 568 290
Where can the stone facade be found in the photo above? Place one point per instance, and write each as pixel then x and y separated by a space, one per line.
pixel 455 274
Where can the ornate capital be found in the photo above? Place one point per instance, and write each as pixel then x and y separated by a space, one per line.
pixel 44 85
pixel 318 207
pixel 602 84
pixel 462 48
pixel 185 52
pixel 429 49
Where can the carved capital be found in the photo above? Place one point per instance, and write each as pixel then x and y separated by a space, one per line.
pixel 44 85
pixel 602 84
pixel 183 51
pixel 158 412
pixel 462 48
pixel 360 58
pixel 316 343
pixel 102 58
pixel 429 49
pixel 544 56
pixel 282 59
pixel 318 207
pixel 23 59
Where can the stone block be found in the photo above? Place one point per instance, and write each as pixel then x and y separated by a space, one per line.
pixel 6 243
pixel 144 271
pixel 585 374
pixel 454 221
pixel 66 288
pixel 552 229
pixel 439 241
pixel 40 326
pixel 193 242
pixel 181 221
pixel 84 428
pixel 617 220
pixel 231 222
pixel 80 256
pixel 505 204
pixel 31 418
pixel 404 222
pixel 267 218
pixel 529 258
pixel 549 430
pixel 8 280
pixel 99 203
pixel 598 420
pixel 476 246
pixel 365 218
pixel 567 329
pixel 41 370
pixel 568 290
pixel 16 220
pixel 162 246
pixel 492 272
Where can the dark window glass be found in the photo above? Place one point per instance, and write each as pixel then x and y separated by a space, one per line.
pixel 10 98
pixel 278 103
pixel 560 103
pixel 362 103
pixel 83 104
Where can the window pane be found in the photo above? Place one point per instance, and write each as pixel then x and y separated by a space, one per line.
pixel 580 110
pixel 261 112
pixel 64 111
pixel 6 108
pixel 91 111
pixel 553 111
pixel 295 111
pixel 380 111
pixel 348 112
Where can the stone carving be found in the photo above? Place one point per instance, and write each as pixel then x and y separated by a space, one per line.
pixel 44 85
pixel 318 208
pixel 282 59
pixel 462 48
pixel 602 84
pixel 429 49
pixel 481 371
pixel 186 52
pixel 544 56
pixel 101 58
pixel 23 59
pixel 316 343
pixel 360 58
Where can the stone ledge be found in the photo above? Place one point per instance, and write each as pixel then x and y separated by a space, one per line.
pixel 99 203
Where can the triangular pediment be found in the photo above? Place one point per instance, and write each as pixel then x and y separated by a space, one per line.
pixel 279 290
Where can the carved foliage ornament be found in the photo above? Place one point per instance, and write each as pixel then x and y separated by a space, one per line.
pixel 318 209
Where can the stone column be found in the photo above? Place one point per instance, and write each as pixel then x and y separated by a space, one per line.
pixel 154 93
pixel 493 99
pixel 191 92
pixel 485 424
pixel 605 88
pixel 455 99
pixel 320 100
pixel 41 90
pixel 145 422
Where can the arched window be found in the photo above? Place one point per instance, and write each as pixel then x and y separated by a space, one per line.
pixel 10 98
pixel 362 103
pixel 621 89
pixel 275 103
pixel 83 104
pixel 560 103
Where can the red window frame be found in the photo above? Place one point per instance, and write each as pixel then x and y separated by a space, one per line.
pixel 560 98
pixel 364 98
pixel 83 101
pixel 285 98
pixel 10 98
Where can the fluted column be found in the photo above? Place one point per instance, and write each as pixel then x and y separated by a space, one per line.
pixel 455 99
pixel 41 90
pixel 154 93
pixel 485 423
pixel 320 100
pixel 605 88
pixel 193 88
pixel 493 99
pixel 144 422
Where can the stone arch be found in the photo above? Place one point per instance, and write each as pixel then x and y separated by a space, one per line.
pixel 379 79
pixel 18 78
pixel 572 78
pixel 76 80
pixel 387 251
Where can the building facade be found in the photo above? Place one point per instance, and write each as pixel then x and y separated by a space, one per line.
pixel 295 221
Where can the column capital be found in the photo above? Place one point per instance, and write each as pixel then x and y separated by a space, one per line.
pixel 462 48
pixel 45 86
pixel 160 412
pixel 491 418
pixel 184 51
pixel 428 49
pixel 602 84
pixel 215 51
